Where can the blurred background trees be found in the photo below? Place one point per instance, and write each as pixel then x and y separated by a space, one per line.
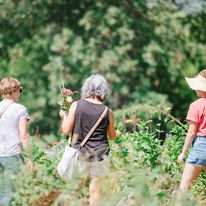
pixel 143 48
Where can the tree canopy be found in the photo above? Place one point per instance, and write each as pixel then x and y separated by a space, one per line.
pixel 143 50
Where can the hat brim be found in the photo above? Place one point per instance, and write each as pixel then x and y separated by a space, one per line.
pixel 196 84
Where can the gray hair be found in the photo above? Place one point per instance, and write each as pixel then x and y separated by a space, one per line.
pixel 95 86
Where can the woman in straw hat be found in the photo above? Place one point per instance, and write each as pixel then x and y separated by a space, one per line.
pixel 196 118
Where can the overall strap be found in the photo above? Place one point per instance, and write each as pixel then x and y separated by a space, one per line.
pixel 94 127
pixel 1 113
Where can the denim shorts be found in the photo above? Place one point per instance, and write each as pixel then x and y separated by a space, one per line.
pixel 197 155
pixel 9 166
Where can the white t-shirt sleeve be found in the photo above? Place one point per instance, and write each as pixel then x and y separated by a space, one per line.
pixel 24 114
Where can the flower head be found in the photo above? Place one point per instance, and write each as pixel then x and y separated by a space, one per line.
pixel 66 98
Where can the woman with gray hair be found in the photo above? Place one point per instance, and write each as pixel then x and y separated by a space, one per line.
pixel 94 155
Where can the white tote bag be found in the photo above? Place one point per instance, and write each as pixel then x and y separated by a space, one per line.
pixel 69 161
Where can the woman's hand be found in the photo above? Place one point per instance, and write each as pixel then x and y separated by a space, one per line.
pixel 180 158
pixel 68 92
pixel 63 114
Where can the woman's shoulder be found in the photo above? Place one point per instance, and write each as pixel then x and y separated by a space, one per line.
pixel 15 108
pixel 20 106
pixel 15 105
pixel 199 102
pixel 20 109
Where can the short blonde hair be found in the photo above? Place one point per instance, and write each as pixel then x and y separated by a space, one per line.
pixel 8 85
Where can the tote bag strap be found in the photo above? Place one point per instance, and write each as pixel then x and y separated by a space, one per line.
pixel 94 127
pixel 1 113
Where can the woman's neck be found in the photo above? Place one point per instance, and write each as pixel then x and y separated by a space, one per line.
pixel 94 100
pixel 8 97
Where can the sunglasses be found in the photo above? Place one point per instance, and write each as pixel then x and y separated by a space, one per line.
pixel 20 89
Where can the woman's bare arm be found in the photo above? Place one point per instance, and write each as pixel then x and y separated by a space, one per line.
pixel 189 138
pixel 23 129
pixel 68 120
pixel 24 135
pixel 111 130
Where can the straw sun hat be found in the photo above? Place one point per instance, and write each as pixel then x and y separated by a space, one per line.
pixel 197 83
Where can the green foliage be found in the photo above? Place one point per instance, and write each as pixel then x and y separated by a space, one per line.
pixel 172 148
pixel 141 147
pixel 143 51
pixel 143 172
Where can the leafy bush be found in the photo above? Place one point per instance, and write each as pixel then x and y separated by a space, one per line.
pixel 143 172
